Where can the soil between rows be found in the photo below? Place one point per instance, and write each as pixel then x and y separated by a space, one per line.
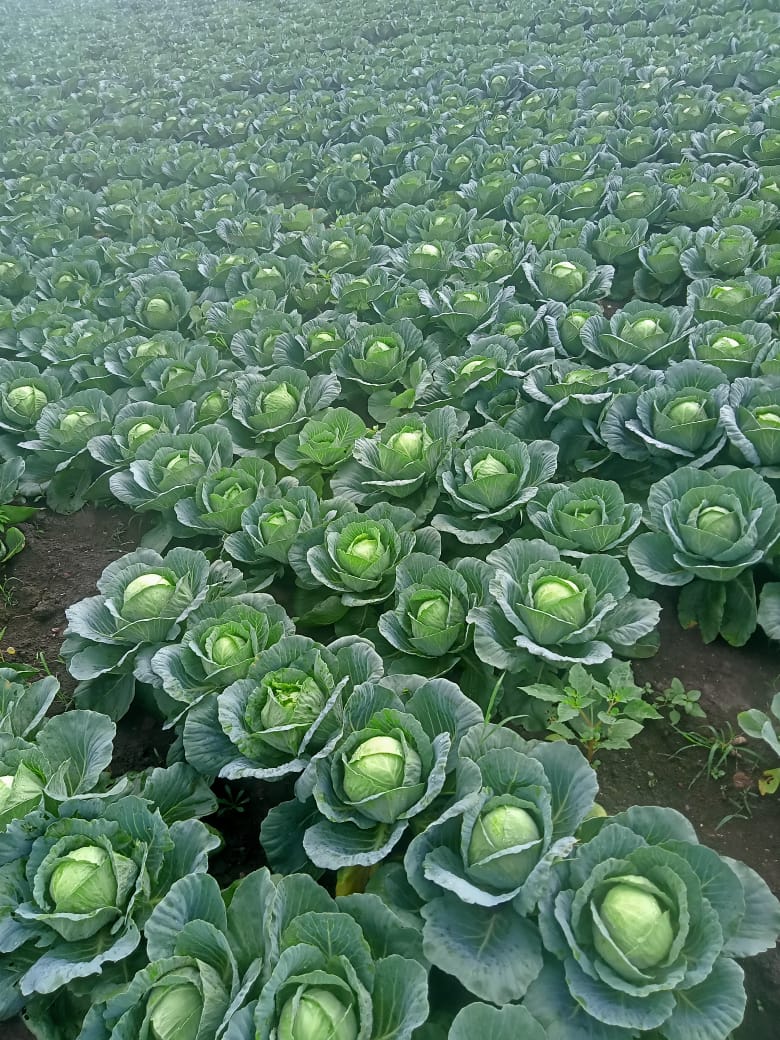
pixel 65 556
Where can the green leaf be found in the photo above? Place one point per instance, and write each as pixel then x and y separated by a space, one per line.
pixel 759 726
pixel 759 926
pixel 702 604
pixel 383 930
pixel 507 1023
pixel 769 609
pixel 652 557
pixel 14 543
pixel 83 741
pixel 179 793
pixel 739 612
pixel 550 1001
pixel 193 898
pixel 110 694
pixel 400 998
pixel 66 961
pixel 334 845
pixel 496 955
pixel 711 1010
pixel 281 835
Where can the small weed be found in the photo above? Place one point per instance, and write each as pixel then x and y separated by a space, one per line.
pixel 722 746
pixel 7 591
pixel 743 808
pixel 43 663
pixel 234 800
pixel 675 701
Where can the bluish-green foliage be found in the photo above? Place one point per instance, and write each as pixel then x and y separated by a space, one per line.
pixel 426 340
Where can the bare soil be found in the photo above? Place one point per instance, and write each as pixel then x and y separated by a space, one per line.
pixel 66 554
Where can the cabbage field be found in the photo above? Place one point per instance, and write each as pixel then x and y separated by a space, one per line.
pixel 389 521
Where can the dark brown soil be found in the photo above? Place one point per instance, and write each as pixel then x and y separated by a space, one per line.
pixel 63 558
pixel 66 555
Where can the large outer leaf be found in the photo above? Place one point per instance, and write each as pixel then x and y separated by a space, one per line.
pixel 281 835
pixel 335 845
pixel 758 725
pixel 759 926
pixel 550 1001
pixel 23 708
pixel 573 782
pixel 511 1022
pixel 739 612
pixel 66 961
pixel 769 609
pixel 652 557
pixel 83 742
pixel 193 898
pixel 712 1009
pixel 384 932
pixel 400 998
pixel 179 793
pixel 702 604
pixel 494 954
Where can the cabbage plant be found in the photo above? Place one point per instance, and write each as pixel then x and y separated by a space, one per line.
pixel 24 393
pixel 56 459
pixel 586 516
pixel 482 867
pixel 571 389
pixel 220 642
pixel 661 275
pixel 428 625
pixel 269 406
pixel 557 611
pixel 133 425
pixel 311 346
pixel 676 421
pixel 463 309
pixel 645 925
pixel 751 419
pixel 348 969
pixel 492 475
pixel 322 443
pixel 489 364
pixel 286 712
pixel 389 765
pixel 357 555
pixel 641 333
pixel 204 966
pixel 77 889
pixel 143 599
pixel 379 361
pixel 747 298
pixel 724 253
pixel 221 496
pixel 66 760
pixel 565 324
pixel 167 465
pixel 566 275
pixel 273 524
pixel 157 302
pixel 737 350
pixel 401 462
pixel 709 530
